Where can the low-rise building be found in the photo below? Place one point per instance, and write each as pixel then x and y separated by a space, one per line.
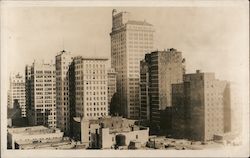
pixel 62 144
pixel 109 132
pixel 32 135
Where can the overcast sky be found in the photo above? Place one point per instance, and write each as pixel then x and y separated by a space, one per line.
pixel 213 39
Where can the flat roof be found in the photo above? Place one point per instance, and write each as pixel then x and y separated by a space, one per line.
pixel 90 58
pixel 32 130
pixel 60 143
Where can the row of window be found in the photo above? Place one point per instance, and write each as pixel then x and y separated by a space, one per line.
pixel 46 97
pixel 18 84
pixel 44 101
pixel 19 90
pixel 92 88
pixel 45 93
pixel 96 93
pixel 96 103
pixel 18 95
pixel 96 114
pixel 46 105
pixel 96 109
pixel 95 98
pixel 45 72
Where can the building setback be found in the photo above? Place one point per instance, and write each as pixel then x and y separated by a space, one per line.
pixel 16 93
pixel 159 70
pixel 63 61
pixel 41 87
pixel 130 40
pixel 205 111
pixel 111 86
pixel 88 87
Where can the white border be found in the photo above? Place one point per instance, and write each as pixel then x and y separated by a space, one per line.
pixel 126 3
pixel 241 151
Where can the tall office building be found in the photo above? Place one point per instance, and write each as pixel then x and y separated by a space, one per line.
pixel 159 70
pixel 130 41
pixel 111 86
pixel 16 93
pixel 63 61
pixel 206 106
pixel 89 87
pixel 41 85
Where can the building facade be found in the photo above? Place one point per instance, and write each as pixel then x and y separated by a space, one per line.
pixel 16 93
pixel 207 106
pixel 89 87
pixel 144 91
pixel 111 86
pixel 63 62
pixel 179 122
pixel 159 70
pixel 41 87
pixel 130 40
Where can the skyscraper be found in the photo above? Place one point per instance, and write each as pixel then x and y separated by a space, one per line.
pixel 41 85
pixel 159 70
pixel 89 87
pixel 130 40
pixel 206 110
pixel 16 93
pixel 63 61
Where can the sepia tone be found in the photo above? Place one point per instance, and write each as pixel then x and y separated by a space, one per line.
pixel 138 88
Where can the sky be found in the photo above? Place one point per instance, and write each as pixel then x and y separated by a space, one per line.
pixel 212 39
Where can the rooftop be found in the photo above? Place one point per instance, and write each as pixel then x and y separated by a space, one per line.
pixel 90 58
pixel 32 130
pixel 134 22
pixel 62 144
